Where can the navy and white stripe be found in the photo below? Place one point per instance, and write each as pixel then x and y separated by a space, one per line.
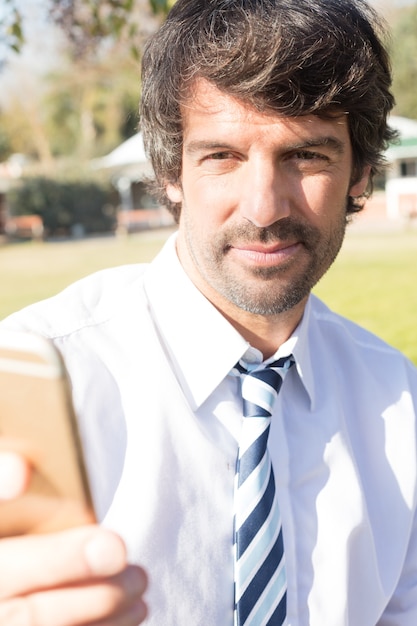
pixel 260 579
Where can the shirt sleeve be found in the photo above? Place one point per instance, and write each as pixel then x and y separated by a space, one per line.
pixel 402 608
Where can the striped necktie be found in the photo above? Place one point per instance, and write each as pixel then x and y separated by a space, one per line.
pixel 260 578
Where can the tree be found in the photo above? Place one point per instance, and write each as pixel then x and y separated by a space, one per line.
pixel 92 106
pixel 85 22
pixel 23 117
pixel 87 103
pixel 11 32
pixel 404 59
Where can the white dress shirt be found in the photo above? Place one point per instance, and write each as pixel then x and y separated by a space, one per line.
pixel 149 359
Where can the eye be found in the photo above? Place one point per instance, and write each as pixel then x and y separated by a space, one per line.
pixel 220 156
pixel 309 161
pixel 219 162
pixel 309 155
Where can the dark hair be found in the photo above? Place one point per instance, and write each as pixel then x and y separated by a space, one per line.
pixel 293 57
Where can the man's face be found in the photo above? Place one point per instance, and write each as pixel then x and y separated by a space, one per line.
pixel 263 201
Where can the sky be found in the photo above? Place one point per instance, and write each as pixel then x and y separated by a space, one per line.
pixel 38 55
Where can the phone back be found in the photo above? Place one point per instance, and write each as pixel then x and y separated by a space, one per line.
pixel 37 420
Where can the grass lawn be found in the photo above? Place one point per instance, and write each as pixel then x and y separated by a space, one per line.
pixel 31 271
pixel 373 282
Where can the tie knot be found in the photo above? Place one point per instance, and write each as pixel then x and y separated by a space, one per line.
pixel 260 386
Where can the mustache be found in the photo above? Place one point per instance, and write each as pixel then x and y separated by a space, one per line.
pixel 285 229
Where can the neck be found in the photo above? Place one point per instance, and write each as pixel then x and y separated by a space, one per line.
pixel 266 333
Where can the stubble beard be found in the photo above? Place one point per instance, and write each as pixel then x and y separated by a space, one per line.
pixel 268 291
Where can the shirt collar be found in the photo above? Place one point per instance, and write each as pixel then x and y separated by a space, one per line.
pixel 300 344
pixel 201 344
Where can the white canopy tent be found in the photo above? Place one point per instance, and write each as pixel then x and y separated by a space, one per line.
pixel 128 166
pixel 130 152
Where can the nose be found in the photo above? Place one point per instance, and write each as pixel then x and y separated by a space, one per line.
pixel 264 193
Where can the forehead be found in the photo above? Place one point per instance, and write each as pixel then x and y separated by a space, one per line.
pixel 208 109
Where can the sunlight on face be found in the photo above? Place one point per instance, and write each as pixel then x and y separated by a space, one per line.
pixel 263 201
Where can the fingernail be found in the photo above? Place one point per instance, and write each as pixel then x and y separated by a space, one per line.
pixel 105 553
pixel 13 476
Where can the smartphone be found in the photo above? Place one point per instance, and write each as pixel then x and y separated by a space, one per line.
pixel 37 420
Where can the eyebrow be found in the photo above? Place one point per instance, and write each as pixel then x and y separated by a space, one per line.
pixel 199 146
pixel 329 141
pixel 333 143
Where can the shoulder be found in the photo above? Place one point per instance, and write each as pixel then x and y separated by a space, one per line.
pixel 89 301
pixel 350 343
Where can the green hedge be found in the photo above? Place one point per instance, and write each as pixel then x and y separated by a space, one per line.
pixel 65 207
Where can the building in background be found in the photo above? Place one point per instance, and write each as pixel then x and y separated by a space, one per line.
pixel 401 180
pixel 129 170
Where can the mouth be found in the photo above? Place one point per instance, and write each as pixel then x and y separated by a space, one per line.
pixel 265 255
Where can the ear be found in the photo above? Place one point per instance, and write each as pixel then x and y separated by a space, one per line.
pixel 174 193
pixel 360 186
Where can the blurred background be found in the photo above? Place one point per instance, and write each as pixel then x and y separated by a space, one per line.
pixel 73 172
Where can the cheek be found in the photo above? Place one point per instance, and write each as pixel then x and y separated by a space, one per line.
pixel 208 202
pixel 324 198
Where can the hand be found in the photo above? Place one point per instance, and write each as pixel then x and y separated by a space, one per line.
pixel 71 578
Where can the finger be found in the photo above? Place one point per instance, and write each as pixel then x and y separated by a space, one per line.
pixel 116 600
pixel 14 475
pixel 132 617
pixel 32 562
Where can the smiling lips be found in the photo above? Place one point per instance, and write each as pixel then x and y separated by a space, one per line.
pixel 263 254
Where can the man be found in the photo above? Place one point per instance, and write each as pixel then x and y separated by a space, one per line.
pixel 266 122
